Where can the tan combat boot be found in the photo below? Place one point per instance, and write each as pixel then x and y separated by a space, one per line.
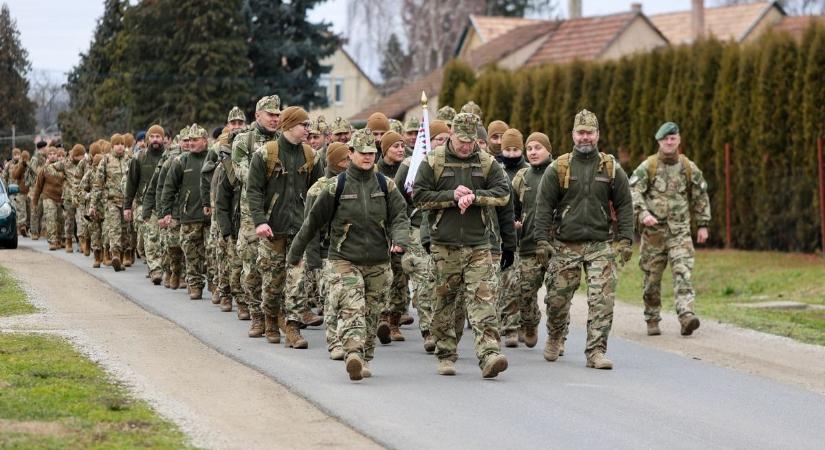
pixel 429 341
pixel 552 349
pixel 128 258
pixel 69 245
pixel 107 257
pixel 293 336
pixel 53 246
pixel 243 312
pixel 195 293
pixel 337 354
pixel 531 336
pixel 216 299
pixel 383 330
pixel 395 332
pixel 35 236
pixel 226 304
pixel 689 323
pixel 311 319
pixel 406 319
pixel 494 365
pixel 86 246
pixel 511 339
pixel 166 277
pixel 156 277
pixel 174 281
pixel 653 328
pixel 116 261
pixel 273 336
pixel 521 333
pixel 96 264
pixel 256 328
pixel 446 367
pixel 365 370
pixel 354 366
pixel 597 360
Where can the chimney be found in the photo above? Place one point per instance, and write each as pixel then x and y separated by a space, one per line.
pixel 574 9
pixel 636 7
pixel 698 19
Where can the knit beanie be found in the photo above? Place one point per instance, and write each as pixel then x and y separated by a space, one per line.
pixel 512 138
pixel 336 152
pixel 378 122
pixel 293 116
pixel 437 127
pixel 496 127
pixel 156 129
pixel 541 138
pixel 389 138
pixel 78 150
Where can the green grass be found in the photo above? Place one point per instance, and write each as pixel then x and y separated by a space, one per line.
pixel 12 298
pixel 51 397
pixel 723 278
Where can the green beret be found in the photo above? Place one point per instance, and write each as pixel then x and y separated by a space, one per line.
pixel 666 130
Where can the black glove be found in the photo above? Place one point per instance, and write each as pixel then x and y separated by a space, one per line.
pixel 507 259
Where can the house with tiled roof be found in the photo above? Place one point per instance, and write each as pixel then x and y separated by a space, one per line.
pixel 740 23
pixel 795 26
pixel 513 43
pixel 348 89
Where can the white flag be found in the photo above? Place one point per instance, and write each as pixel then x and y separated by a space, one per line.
pixel 422 147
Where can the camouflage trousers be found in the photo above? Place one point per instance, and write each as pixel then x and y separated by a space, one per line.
pixel 36 214
pixel 417 264
pixel 280 285
pixel 193 243
pixel 152 249
pixel 94 228
pixel 312 279
pixel 81 223
pixel 53 220
pixel 508 298
pixel 331 307
pixel 660 246
pixel 21 204
pixel 464 273
pixel 359 293
pixel 566 265
pixel 140 230
pixel 212 242
pixel 229 271
pixel 114 228
pixel 70 224
pixel 247 251
pixel 172 261
pixel 397 297
pixel 531 276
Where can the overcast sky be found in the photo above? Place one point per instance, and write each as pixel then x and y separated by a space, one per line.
pixel 55 31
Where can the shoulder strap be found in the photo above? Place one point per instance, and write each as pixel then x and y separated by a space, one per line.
pixel 272 157
pixel 518 182
pixel 382 183
pixel 608 162
pixel 309 158
pixel 339 190
pixel 563 170
pixel 436 160
pixel 250 141
pixel 486 162
pixel 652 164
pixel 686 167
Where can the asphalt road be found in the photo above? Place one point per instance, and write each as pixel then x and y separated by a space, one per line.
pixel 652 399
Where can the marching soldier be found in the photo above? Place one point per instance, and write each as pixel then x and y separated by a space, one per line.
pixel 108 190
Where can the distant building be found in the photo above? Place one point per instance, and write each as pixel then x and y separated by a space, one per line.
pixel 348 89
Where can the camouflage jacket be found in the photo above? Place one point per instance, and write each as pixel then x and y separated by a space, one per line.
pixel 244 146
pixel 181 188
pixel 364 226
pixel 666 197
pixel 141 169
pixel 108 182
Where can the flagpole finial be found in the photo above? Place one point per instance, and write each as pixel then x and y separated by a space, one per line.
pixel 423 99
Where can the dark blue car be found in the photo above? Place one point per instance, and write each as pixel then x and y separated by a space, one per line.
pixel 8 216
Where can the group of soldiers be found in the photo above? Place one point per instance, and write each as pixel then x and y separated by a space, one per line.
pixel 297 222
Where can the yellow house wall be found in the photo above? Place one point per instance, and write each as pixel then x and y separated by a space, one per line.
pixel 358 91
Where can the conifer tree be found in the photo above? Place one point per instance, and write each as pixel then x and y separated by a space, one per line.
pixel 16 108
pixel 456 72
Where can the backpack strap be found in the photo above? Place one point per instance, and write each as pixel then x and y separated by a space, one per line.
pixel 309 158
pixel 518 183
pixel 382 183
pixel 653 164
pixel 563 170
pixel 608 163
pixel 272 157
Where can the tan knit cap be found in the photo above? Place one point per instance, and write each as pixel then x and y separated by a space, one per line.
pixel 512 138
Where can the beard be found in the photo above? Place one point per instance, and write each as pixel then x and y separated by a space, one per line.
pixel 585 148
pixel 155 146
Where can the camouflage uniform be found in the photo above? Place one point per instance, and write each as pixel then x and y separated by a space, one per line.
pixel 461 242
pixel 672 199
pixel 446 115
pixel 93 223
pixel 38 160
pixel 141 170
pixel 108 190
pixel 227 213
pixel 48 191
pixel 72 223
pixel 166 243
pixel 577 213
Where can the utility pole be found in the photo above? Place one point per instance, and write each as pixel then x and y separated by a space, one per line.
pixel 13 136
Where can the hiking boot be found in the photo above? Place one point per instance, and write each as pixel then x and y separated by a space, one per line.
pixel 354 366
pixel 196 293
pixel 446 367
pixel 22 231
pixel 69 246
pixel 107 257
pixel 273 336
pixel 183 283
pixel 53 246
pixel 243 312
pixel 383 330
pixel 406 319
pixel 653 328
pixel 256 328
pixel 395 332
pixel 35 236
pixel 552 349
pixel 429 341
pixel 531 336
pixel 226 304
pixel 293 336
pixel 494 365
pixel 365 370
pixel 337 354
pixel 116 261
pixel 598 361
pixel 166 277
pixel 86 247
pixel 96 263
pixel 511 339
pixel 689 323
pixel 311 319
pixel 174 281
pixel 521 334
pixel 561 348
pixel 216 299
pixel 128 258
pixel 156 277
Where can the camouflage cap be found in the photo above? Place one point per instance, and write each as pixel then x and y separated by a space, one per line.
pixel 586 120
pixel 340 125
pixel 667 129
pixel 319 126
pixel 184 134
pixel 362 141
pixel 465 127
pixel 270 104
pixel 397 126
pixel 197 132
pixel 413 124
pixel 446 114
pixel 236 114
pixel 472 108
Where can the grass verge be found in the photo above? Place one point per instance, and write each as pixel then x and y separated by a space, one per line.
pixel 51 397
pixel 12 298
pixel 725 279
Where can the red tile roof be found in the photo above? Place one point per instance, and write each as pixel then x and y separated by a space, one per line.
pixel 584 38
pixel 491 27
pixel 796 25
pixel 725 22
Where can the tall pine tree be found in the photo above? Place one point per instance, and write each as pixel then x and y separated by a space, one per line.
pixel 16 108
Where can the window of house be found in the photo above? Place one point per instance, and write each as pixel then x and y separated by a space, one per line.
pixel 339 91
